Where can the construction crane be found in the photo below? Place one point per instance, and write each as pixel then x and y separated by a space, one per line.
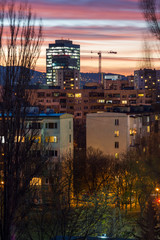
pixel 100 60
pixel 100 57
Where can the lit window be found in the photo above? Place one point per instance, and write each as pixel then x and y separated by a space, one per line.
pixel 36 139
pixel 70 94
pixel 116 133
pixel 51 139
pixel 2 139
pixel 124 101
pixel 36 182
pixel 146 86
pixel 132 131
pixel 141 95
pixel 156 117
pixel 19 139
pixel 116 155
pixel 148 129
pixel 145 80
pixel 78 95
pixel 101 101
pixel 141 76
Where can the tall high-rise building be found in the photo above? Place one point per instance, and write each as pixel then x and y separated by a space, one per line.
pixel 63 54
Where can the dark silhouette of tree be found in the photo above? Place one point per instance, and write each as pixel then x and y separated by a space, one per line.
pixel 20 43
pixel 150 10
pixel 65 214
pixel 149 222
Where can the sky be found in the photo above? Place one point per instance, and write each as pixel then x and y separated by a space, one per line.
pixel 97 25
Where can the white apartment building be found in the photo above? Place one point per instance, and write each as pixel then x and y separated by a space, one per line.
pixel 54 133
pixel 114 133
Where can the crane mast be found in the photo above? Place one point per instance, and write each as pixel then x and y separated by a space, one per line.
pixel 100 62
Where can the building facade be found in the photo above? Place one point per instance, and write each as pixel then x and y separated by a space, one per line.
pixel 114 132
pixel 68 78
pixel 83 101
pixel 63 54
pixel 145 79
pixel 54 133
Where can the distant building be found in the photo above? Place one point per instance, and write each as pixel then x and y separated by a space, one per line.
pixel 68 78
pixel 54 133
pixel 114 132
pixel 93 99
pixel 63 54
pixel 130 79
pixel 113 76
pixel 145 79
pixel 115 84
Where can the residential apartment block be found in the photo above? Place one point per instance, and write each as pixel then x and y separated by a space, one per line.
pixel 116 132
pixel 54 133
pixel 147 79
pixel 83 101
pixel 68 78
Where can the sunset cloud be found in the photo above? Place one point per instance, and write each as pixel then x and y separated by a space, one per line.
pixel 97 26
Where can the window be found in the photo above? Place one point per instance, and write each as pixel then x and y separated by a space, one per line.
pixel 156 117
pixel 2 139
pixel 35 125
pixel 124 101
pixel 78 95
pixel 47 181
pixel 101 101
pixel 36 182
pixel 148 129
pixel 70 138
pixel 51 139
pixel 36 139
pixel 148 118
pixel 116 155
pixel 116 133
pixel 132 131
pixel 116 145
pixel 40 94
pixel 52 153
pixel 19 139
pixel 116 122
pixel 51 125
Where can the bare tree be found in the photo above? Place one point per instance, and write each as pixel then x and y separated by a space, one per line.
pixel 20 43
pixel 150 10
pixel 66 214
